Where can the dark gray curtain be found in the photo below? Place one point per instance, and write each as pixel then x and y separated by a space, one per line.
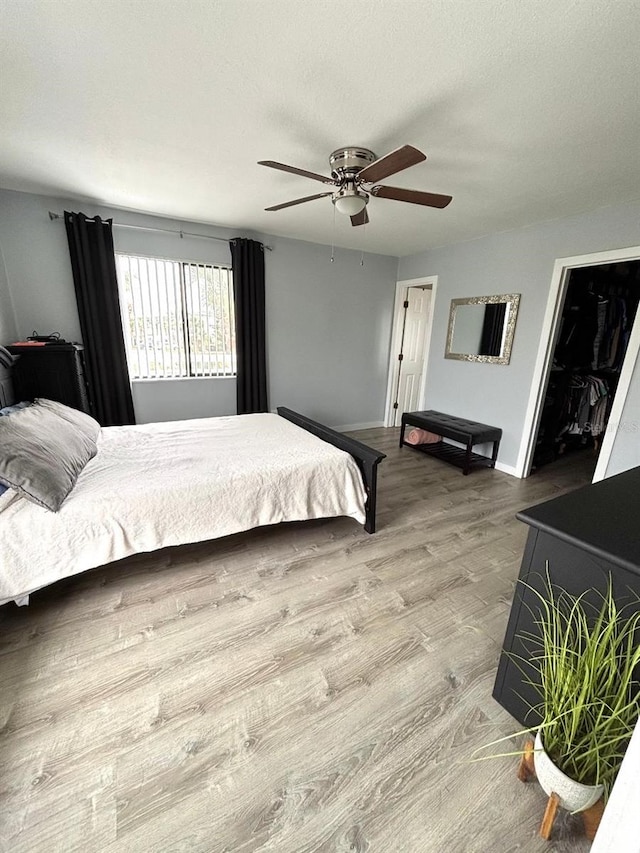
pixel 491 337
pixel 94 276
pixel 247 258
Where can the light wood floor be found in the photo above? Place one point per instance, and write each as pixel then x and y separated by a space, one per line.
pixel 296 689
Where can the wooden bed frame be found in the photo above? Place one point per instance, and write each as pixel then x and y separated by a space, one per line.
pixel 6 387
pixel 366 458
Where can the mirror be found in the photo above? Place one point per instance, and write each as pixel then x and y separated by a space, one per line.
pixel 481 328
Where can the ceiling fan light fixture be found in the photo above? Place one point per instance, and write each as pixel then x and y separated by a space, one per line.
pixel 350 204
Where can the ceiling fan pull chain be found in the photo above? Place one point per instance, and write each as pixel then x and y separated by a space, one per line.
pixel 364 243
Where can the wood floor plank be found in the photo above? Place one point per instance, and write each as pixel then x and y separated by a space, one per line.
pixel 305 688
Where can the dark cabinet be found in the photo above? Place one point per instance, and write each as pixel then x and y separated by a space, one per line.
pixel 54 371
pixel 582 539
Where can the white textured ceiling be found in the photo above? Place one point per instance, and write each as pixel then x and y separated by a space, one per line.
pixel 527 110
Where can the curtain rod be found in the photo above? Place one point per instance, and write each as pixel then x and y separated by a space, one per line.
pixel 179 231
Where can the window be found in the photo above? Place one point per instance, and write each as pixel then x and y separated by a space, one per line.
pixel 177 318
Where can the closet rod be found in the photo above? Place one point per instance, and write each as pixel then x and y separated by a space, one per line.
pixel 182 233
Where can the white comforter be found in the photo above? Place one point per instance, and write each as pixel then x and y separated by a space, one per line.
pixel 171 483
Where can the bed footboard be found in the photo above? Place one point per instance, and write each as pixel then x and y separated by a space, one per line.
pixel 367 459
pixel 7 397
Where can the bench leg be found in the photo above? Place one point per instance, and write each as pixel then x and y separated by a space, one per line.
pixel 467 459
pixel 494 455
pixel 402 426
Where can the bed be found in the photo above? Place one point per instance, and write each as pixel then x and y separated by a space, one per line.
pixel 157 485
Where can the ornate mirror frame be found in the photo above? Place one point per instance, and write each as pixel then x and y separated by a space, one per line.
pixel 513 302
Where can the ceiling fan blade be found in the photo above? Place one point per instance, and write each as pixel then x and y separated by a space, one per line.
pixel 412 196
pixel 360 218
pixel 297 201
pixel 295 171
pixel 391 163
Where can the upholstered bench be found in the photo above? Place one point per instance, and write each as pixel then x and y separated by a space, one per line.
pixel 468 433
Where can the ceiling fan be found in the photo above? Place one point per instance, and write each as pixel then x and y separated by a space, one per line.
pixel 354 175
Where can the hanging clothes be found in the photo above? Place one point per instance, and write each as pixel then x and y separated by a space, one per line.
pixel 576 412
pixel 588 405
pixel 603 305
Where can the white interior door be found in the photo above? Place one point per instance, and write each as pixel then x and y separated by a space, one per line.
pixel 411 356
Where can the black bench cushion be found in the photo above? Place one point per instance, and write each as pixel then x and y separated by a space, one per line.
pixel 449 426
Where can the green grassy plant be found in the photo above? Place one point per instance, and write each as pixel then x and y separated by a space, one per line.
pixel 584 658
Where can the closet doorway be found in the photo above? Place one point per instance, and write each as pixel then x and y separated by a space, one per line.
pixel 585 367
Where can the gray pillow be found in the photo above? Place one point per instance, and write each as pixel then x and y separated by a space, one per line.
pixel 84 422
pixel 42 454
pixel 10 410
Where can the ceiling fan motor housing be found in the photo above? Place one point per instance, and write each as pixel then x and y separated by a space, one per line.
pixel 347 162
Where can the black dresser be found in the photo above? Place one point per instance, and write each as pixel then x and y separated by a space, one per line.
pixel 585 537
pixel 54 371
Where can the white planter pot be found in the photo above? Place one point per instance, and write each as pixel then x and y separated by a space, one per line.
pixel 574 796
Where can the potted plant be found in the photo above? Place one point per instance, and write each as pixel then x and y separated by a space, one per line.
pixel 585 660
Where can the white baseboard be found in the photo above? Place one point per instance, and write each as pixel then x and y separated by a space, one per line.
pixel 356 427
pixel 507 469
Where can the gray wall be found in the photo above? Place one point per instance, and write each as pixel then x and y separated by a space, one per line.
pixel 7 316
pixel 328 324
pixel 329 329
pixel 514 262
